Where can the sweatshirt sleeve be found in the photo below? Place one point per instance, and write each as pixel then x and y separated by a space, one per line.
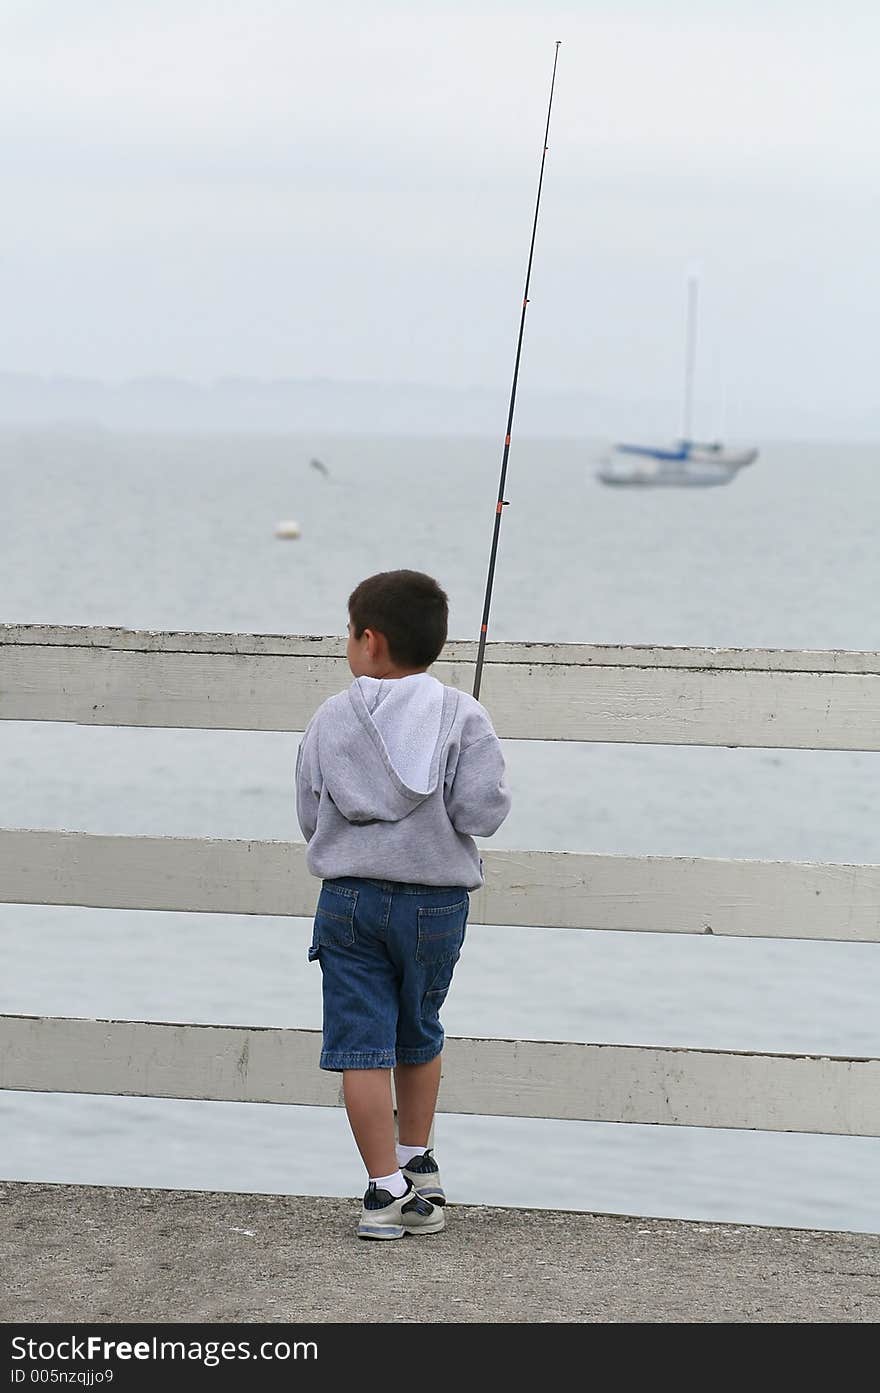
pixel 479 800
pixel 308 782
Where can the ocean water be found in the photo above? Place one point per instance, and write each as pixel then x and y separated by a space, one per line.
pixel 178 532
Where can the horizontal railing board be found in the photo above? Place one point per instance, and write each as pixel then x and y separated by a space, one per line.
pixel 492 1078
pixel 206 691
pixel 57 1054
pixel 553 889
pixel 628 703
pixel 455 651
pixel 654 894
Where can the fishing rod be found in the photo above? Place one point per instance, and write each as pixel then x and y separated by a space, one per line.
pixel 502 501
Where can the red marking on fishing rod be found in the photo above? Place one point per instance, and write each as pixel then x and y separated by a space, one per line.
pixel 502 501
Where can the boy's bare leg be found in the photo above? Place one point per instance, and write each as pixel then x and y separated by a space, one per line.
pixel 416 1087
pixel 367 1094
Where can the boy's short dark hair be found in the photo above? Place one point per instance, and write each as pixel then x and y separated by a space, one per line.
pixel 409 608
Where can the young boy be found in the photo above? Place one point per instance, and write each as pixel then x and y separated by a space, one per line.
pixel 394 778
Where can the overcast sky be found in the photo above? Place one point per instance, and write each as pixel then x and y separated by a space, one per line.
pixel 345 190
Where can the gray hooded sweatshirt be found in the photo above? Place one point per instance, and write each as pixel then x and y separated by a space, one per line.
pixel 394 779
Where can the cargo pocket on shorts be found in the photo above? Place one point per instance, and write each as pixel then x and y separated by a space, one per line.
pixel 441 935
pixel 334 919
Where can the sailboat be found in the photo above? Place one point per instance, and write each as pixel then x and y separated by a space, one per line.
pixel 687 463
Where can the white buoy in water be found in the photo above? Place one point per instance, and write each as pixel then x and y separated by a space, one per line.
pixel 287 528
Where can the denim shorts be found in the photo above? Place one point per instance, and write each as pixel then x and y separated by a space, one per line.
pixel 387 952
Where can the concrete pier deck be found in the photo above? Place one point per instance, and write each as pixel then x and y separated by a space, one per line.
pixel 73 1253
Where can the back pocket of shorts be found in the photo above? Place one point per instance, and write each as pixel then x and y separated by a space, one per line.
pixel 334 917
pixel 441 931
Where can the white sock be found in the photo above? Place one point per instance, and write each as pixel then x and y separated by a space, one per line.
pixel 395 1183
pixel 406 1153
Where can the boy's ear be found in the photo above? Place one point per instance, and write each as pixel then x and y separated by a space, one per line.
pixel 377 645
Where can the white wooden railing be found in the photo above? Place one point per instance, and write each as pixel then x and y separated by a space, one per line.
pixel 692 696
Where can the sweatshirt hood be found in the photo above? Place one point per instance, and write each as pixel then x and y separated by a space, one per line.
pixel 381 754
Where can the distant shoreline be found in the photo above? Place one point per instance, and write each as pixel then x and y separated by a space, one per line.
pixel 405 409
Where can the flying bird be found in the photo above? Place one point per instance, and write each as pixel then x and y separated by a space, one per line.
pixel 319 465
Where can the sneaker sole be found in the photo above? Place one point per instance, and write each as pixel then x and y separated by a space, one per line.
pixel 389 1231
pixel 398 1231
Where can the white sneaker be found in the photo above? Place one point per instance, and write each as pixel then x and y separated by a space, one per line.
pixel 383 1216
pixel 424 1173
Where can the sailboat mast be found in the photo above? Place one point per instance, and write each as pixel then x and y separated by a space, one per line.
pixel 690 352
